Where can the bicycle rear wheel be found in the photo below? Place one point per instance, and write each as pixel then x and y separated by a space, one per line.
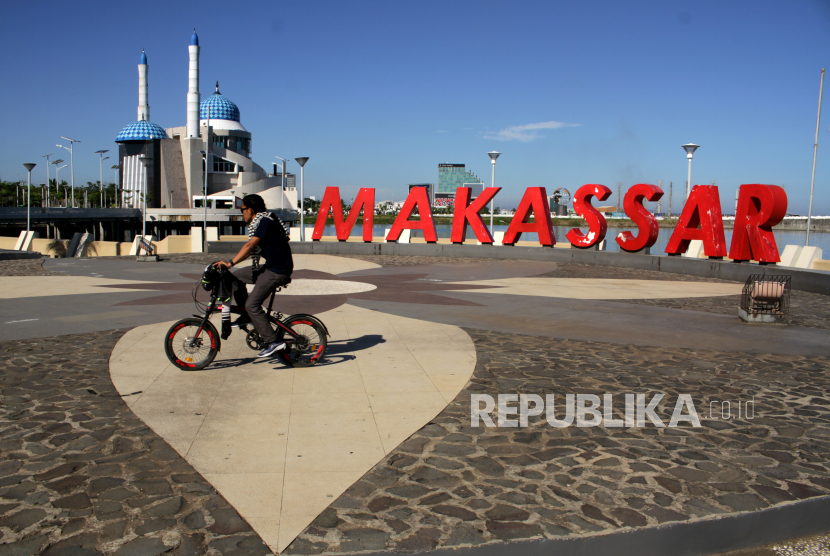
pixel 308 348
pixel 188 351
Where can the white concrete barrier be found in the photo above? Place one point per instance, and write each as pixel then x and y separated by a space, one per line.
pixel 148 241
pixel 24 242
pixel 695 249
pixel 807 256
pixel 213 233
pixel 196 243
pixel 790 255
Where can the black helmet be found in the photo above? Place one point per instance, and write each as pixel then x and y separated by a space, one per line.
pixel 210 277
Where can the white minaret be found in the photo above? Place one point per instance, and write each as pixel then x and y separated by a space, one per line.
pixel 193 88
pixel 143 90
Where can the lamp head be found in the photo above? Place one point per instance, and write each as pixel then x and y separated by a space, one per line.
pixel 690 149
pixel 102 152
pixel 493 155
pixel 46 155
pixel 29 165
pixel 58 161
pixel 301 160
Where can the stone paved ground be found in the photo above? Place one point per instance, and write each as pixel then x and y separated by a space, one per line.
pixel 81 475
pixel 25 267
pixel 806 309
pixel 453 485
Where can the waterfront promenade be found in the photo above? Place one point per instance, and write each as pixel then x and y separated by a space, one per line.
pixel 107 448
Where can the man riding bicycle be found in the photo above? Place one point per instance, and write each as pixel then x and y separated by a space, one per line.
pixel 268 239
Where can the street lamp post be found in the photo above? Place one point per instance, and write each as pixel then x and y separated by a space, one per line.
pixel 101 173
pixel 58 183
pixel 29 166
pixel 690 149
pixel 301 161
pixel 283 184
pixel 493 156
pixel 46 156
pixel 71 163
pixel 815 150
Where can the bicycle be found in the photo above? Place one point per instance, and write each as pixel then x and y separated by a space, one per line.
pixel 192 343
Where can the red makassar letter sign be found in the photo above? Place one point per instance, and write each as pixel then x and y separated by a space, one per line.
pixel 417 198
pixel 760 207
pixel 647 227
pixel 465 211
pixel 702 209
pixel 597 226
pixel 331 203
pixel 534 203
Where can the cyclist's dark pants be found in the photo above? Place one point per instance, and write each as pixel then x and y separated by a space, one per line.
pixel 266 282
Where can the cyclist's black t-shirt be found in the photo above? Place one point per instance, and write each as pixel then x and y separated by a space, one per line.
pixel 275 249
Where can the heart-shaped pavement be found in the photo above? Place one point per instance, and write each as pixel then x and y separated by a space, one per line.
pixel 281 444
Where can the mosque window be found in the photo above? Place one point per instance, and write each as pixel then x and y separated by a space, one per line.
pixel 222 165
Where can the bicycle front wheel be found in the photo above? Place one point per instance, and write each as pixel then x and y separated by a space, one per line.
pixel 309 346
pixel 189 349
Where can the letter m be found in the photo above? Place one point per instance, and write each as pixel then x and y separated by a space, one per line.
pixel 365 201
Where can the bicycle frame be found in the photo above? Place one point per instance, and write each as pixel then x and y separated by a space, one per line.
pixel 214 307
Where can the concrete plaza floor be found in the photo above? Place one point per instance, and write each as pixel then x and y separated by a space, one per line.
pixel 373 450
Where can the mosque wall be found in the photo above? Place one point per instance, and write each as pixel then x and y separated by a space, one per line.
pixel 132 170
pixel 173 184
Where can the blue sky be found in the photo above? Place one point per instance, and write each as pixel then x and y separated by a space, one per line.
pixel 377 94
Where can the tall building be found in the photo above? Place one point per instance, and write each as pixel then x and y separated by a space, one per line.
pixel 451 177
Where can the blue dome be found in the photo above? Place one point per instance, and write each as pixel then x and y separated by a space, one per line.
pixel 141 131
pixel 143 58
pixel 220 108
pixel 194 39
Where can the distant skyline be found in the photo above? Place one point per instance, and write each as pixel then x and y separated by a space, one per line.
pixel 377 94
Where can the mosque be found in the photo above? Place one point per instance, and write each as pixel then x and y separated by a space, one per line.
pixel 174 158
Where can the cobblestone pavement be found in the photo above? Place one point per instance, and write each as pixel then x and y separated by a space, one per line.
pixel 81 475
pixel 451 485
pixel 26 267
pixel 806 309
